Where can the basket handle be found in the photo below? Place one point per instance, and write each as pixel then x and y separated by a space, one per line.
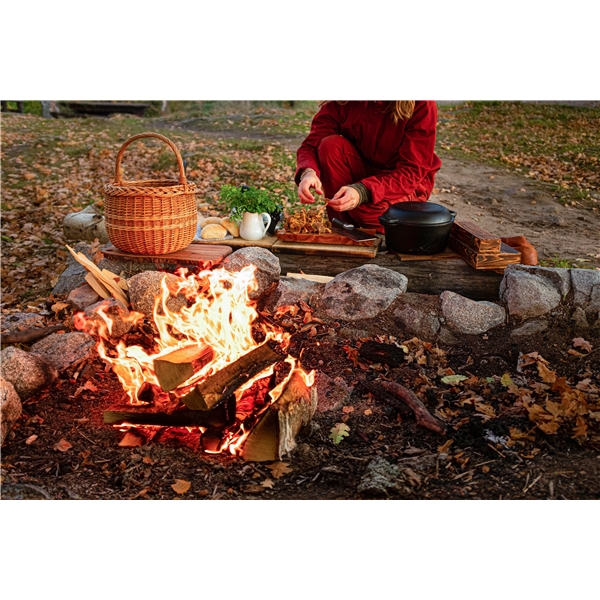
pixel 182 177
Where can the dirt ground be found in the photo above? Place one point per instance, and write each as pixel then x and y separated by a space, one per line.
pixel 472 460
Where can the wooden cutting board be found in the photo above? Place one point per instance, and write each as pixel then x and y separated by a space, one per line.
pixel 238 242
pixel 326 249
pixel 324 238
pixel 194 253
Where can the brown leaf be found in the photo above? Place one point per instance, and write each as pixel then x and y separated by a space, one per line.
pixel 445 447
pixel 131 440
pixel 348 409
pixel 279 468
pixel 62 445
pixel 368 412
pixel 31 439
pixel 253 489
pixel 181 486
pixel 579 342
pixel 268 484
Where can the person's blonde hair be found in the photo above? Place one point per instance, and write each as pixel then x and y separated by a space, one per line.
pixel 401 110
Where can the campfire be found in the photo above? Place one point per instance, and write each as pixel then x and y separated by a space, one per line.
pixel 210 367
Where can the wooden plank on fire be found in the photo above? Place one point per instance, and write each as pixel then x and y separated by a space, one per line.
pixel 274 435
pixel 178 366
pixel 475 237
pixel 224 382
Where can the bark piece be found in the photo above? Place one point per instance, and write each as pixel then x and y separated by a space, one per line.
pixel 217 387
pixel 422 415
pixel 178 366
pixel 29 335
pixel 275 434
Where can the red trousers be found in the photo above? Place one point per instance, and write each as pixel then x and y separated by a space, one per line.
pixel 341 164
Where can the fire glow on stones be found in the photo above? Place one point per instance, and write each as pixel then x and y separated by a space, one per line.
pixel 215 328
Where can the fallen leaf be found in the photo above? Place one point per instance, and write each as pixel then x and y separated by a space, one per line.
pixel 348 409
pixel 549 428
pixel 253 489
pixel 56 308
pixel 62 445
pixel 368 412
pixel 131 440
pixel 181 486
pixel 579 342
pixel 453 378
pixel 505 380
pixel 580 429
pixel 31 439
pixel 268 484
pixel 280 468
pixel 148 461
pixel 338 432
pixel 445 447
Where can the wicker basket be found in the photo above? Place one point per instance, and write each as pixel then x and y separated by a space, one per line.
pixel 150 217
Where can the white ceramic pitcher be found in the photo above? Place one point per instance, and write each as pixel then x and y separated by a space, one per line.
pixel 254 226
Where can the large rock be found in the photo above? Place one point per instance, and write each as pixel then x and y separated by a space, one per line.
pixel 267 266
pixel 382 477
pixel 559 278
pixel 83 296
pixel 527 295
pixel 586 288
pixel 291 291
pixel 145 287
pixel 21 321
pixel 468 316
pixel 122 319
pixel 29 373
pixel 361 293
pixel 418 315
pixel 74 275
pixel 10 408
pixel 63 350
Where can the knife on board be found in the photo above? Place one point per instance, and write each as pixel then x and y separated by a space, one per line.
pixel 348 230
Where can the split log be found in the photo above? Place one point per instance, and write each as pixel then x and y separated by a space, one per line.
pixel 218 386
pixel 422 415
pixel 220 417
pixel 178 366
pixel 386 354
pixel 29 336
pixel 275 434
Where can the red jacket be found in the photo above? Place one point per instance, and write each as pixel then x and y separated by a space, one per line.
pixel 402 155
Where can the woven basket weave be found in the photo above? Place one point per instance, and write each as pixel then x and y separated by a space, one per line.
pixel 153 216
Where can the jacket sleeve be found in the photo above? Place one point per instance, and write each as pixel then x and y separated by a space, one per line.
pixel 326 122
pixel 416 160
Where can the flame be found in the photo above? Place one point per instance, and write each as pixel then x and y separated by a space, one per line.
pixel 219 314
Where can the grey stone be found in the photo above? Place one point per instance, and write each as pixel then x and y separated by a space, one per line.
pixel 468 316
pixel 526 295
pixel 418 323
pixel 122 320
pixel 21 321
pixel 559 278
pixel 10 408
pixel 586 288
pixel 267 266
pixel 146 287
pixel 447 337
pixel 530 328
pixel 63 350
pixel 291 290
pixel 332 393
pixel 382 477
pixel 74 275
pixel 83 296
pixel 361 293
pixel 29 373
pixel 580 318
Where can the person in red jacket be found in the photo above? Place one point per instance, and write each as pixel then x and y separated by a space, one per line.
pixel 366 156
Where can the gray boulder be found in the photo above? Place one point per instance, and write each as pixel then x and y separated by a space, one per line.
pixel 122 320
pixel 291 291
pixel 267 266
pixel 29 373
pixel 361 293
pixel 527 295
pixel 83 296
pixel 10 408
pixel 20 321
pixel 468 316
pixel 586 288
pixel 145 287
pixel 418 315
pixel 61 351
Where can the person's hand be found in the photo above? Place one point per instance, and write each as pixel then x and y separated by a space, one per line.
pixel 346 198
pixel 308 182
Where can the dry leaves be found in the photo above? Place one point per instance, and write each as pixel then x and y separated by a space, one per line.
pixel 279 469
pixel 181 486
pixel 62 445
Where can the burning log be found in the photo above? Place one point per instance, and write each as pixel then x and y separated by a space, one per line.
pixel 220 417
pixel 178 366
pixel 275 433
pixel 422 415
pixel 217 387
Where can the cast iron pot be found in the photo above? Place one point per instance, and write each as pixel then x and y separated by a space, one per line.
pixel 417 227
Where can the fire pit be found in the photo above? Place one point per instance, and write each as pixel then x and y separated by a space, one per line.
pixel 210 367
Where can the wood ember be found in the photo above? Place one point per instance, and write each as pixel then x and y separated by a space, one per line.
pixel 222 384
pixel 175 368
pixel 274 435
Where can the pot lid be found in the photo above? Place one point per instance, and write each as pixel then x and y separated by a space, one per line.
pixel 417 213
